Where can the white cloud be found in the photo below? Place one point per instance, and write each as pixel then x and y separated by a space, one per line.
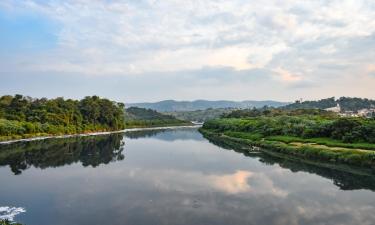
pixel 8 213
pixel 290 38
pixel 179 35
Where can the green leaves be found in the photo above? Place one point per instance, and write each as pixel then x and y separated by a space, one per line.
pixel 24 116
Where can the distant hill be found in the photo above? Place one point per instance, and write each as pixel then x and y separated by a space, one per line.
pixel 200 115
pixel 136 113
pixel 346 104
pixel 172 105
pixel 140 117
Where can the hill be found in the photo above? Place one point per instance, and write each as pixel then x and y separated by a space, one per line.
pixel 24 117
pixel 346 104
pixel 140 117
pixel 172 105
pixel 200 115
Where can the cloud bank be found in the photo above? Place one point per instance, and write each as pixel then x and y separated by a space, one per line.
pixel 288 49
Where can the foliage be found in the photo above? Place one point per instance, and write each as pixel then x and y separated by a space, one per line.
pixel 347 104
pixel 363 158
pixel 347 130
pixel 266 111
pixel 21 116
pixel 306 133
pixel 201 115
pixel 139 117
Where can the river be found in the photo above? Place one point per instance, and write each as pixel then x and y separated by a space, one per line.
pixel 173 176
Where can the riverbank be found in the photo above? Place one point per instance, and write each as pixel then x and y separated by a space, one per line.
pixel 34 138
pixel 305 150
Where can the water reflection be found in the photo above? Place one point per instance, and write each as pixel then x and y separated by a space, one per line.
pixel 89 150
pixel 180 180
pixel 166 134
pixel 345 177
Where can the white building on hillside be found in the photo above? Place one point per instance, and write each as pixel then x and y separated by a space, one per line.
pixel 335 109
pixel 366 112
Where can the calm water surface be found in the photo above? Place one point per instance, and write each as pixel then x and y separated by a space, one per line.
pixel 172 177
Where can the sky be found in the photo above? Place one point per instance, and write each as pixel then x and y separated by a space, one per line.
pixel 151 50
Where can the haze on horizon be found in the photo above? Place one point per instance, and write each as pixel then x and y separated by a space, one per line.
pixel 150 50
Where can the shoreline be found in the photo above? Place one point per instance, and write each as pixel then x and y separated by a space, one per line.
pixel 353 157
pixel 96 133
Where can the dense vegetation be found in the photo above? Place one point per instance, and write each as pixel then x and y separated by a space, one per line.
pixel 200 115
pixel 347 130
pixel 139 117
pixel 270 112
pixel 307 133
pixel 22 116
pixel 347 104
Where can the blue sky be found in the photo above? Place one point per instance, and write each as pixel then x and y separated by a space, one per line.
pixel 151 50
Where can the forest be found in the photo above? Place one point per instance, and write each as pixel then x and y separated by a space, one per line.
pixel 347 130
pixel 22 116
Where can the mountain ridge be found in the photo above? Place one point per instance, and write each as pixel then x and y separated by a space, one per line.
pixel 200 104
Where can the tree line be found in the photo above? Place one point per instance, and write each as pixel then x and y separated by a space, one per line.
pixel 140 117
pixel 22 115
pixel 298 123
pixel 346 103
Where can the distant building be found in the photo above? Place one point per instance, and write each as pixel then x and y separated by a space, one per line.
pixel 366 113
pixel 349 114
pixel 336 109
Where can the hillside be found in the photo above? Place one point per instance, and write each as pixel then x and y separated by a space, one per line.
pixel 140 117
pixel 172 105
pixel 346 104
pixel 200 115
pixel 24 117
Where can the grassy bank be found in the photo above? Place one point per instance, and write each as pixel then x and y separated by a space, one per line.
pixel 305 150
pixel 311 134
pixel 328 142
pixel 345 176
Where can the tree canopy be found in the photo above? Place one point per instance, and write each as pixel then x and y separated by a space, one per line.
pixel 21 115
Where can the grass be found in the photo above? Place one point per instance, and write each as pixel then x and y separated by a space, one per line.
pixel 322 141
pixel 287 145
pixel 243 135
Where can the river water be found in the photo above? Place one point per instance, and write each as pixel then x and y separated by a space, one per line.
pixel 173 176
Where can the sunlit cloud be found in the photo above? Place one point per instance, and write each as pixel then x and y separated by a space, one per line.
pixel 287 76
pixel 234 183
